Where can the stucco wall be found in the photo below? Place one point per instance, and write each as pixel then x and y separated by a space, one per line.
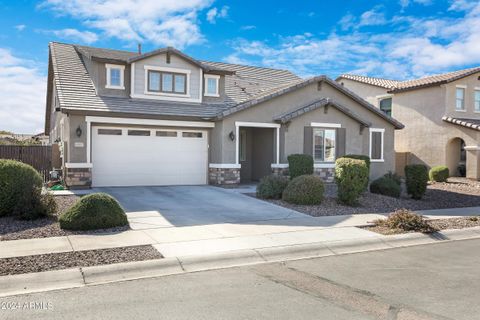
pixel 293 139
pixel 471 82
pixel 98 74
pixel 426 136
pixel 366 91
pixel 77 146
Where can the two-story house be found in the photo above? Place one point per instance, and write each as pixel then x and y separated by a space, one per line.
pixel 163 118
pixel 441 114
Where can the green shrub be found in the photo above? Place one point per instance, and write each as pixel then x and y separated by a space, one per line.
pixel 94 211
pixel 20 190
pixel 405 220
pixel 271 187
pixel 416 179
pixel 305 190
pixel 439 174
pixel 299 165
pixel 364 158
pixel 359 157
pixel 386 186
pixel 351 176
pixel 395 177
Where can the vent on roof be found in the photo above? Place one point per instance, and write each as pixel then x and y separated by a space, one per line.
pixel 139 48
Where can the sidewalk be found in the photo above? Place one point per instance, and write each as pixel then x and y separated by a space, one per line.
pixel 175 241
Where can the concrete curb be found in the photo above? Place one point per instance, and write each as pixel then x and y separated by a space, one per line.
pixel 131 270
pixel 79 277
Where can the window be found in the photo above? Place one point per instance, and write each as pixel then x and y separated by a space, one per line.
pixel 167 82
pixel 386 106
pixel 243 146
pixel 477 100
pixel 166 133
pixel 192 134
pixel 114 76
pixel 376 144
pixel 139 133
pixel 460 99
pixel 324 145
pixel 111 132
pixel 211 85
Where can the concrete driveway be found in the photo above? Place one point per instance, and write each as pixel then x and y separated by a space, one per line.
pixel 181 206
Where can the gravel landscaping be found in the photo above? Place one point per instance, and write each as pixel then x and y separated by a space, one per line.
pixel 435 224
pixel 457 192
pixel 58 261
pixel 14 229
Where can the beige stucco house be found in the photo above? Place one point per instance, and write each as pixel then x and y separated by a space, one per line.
pixel 163 118
pixel 441 115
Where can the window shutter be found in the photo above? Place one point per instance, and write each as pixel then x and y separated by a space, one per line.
pixel 340 145
pixel 308 141
pixel 376 145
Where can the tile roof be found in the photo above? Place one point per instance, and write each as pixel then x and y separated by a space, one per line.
pixel 324 102
pixel 468 123
pixel 246 86
pixel 399 86
pixel 379 82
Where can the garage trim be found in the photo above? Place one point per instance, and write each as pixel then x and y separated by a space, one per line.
pixel 135 121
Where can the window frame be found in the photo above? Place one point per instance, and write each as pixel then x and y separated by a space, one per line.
pixel 108 84
pixel 380 99
pixel 464 90
pixel 382 146
pixel 161 74
pixel 324 129
pixel 217 85
pixel 185 72
pixel 476 102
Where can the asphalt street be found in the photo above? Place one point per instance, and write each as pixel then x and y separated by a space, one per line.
pixel 436 281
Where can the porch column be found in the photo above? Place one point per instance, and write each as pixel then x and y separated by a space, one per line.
pixel 278 145
pixel 237 144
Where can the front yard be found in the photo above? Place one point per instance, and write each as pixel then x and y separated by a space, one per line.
pixel 457 192
pixel 11 228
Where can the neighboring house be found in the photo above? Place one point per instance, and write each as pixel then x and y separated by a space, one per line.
pixel 23 139
pixel 441 114
pixel 163 118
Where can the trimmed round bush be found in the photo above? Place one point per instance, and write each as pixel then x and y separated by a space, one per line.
pixel 417 180
pixel 94 211
pixel 351 176
pixel 361 157
pixel 271 187
pixel 20 190
pixel 386 186
pixel 304 190
pixel 299 165
pixel 439 174
pixel 395 177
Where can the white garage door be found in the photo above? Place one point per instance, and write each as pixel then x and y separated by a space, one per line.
pixel 148 157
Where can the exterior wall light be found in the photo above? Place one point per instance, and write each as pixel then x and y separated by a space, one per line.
pixel 231 135
pixel 78 132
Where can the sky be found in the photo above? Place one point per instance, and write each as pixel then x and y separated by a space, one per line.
pixel 397 39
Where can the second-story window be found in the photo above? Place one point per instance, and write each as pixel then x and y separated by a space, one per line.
pixel 211 85
pixel 460 99
pixel 477 100
pixel 386 106
pixel 167 82
pixel 115 76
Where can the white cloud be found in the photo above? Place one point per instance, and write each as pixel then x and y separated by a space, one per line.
pixel 75 35
pixel 372 18
pixel 462 5
pixel 162 22
pixel 248 27
pixel 411 47
pixel 20 27
pixel 214 13
pixel 22 92
pixel 406 3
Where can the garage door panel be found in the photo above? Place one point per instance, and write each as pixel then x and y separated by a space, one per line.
pixel 148 160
